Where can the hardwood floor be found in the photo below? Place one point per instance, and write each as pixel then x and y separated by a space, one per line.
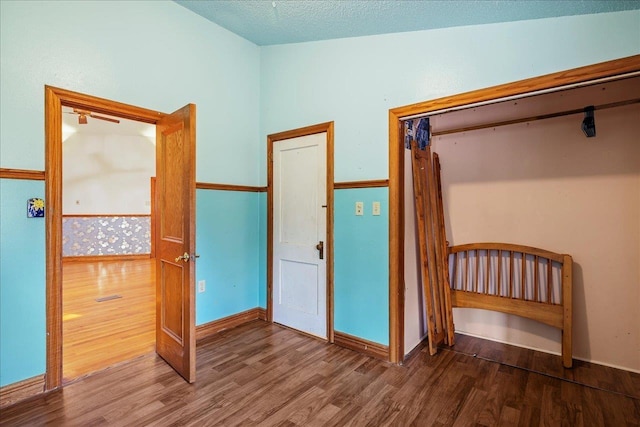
pixel 263 374
pixel 100 334
pixel 585 373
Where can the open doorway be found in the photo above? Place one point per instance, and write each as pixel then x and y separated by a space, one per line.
pixel 108 274
pixel 174 234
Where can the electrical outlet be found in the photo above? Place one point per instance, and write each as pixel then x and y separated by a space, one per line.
pixel 375 209
pixel 201 286
pixel 359 208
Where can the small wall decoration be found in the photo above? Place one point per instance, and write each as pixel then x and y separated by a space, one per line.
pixel 35 208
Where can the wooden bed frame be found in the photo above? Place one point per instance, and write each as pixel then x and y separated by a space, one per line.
pixel 515 279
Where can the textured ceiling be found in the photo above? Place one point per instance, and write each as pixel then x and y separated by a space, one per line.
pixel 267 22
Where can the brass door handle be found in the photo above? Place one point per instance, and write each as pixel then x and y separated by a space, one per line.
pixel 320 248
pixel 184 257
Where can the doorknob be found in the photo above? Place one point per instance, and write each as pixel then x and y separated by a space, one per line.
pixel 320 248
pixel 184 257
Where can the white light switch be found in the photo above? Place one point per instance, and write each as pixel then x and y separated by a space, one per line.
pixel 376 208
pixel 359 208
pixel 201 286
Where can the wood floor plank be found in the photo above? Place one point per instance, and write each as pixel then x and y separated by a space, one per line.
pixel 96 335
pixel 260 374
pixel 599 376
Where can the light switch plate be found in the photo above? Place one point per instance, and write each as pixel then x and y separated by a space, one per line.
pixel 375 208
pixel 359 208
pixel 201 286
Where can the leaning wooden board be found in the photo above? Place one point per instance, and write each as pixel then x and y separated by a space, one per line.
pixel 432 249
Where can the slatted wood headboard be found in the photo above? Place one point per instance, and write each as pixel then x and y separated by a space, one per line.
pixel 515 279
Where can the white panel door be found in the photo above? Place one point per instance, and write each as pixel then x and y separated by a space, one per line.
pixel 299 225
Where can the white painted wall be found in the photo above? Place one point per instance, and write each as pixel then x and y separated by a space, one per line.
pixel 107 174
pixel 544 184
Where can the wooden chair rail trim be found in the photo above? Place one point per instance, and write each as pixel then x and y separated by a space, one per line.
pixel 26 174
pixel 361 184
pixel 507 247
pixel 551 315
pixel 361 345
pixel 21 390
pixel 211 328
pixel 230 187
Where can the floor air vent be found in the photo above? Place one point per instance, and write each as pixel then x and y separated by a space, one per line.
pixel 108 298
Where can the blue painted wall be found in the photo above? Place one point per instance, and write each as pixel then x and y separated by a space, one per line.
pixel 180 58
pixel 355 81
pixel 22 275
pixel 262 251
pixel 243 93
pixel 228 241
pixel 361 265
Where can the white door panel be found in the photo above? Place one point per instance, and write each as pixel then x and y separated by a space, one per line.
pixel 298 206
pixel 299 224
pixel 293 293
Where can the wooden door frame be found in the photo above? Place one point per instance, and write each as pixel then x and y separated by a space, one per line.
pixel 152 222
pixel 55 99
pixel 271 139
pixel 545 83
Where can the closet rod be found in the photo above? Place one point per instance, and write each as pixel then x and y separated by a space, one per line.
pixel 534 118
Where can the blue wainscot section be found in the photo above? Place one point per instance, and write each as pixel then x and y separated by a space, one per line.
pixel 228 242
pixel 22 283
pixel 262 268
pixel 361 266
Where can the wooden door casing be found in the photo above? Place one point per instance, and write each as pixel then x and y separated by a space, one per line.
pixel 550 82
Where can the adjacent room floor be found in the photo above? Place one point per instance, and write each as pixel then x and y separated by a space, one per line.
pixel 264 374
pixel 108 314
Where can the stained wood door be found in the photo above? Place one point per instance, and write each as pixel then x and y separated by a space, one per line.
pixel 175 241
pixel 299 233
